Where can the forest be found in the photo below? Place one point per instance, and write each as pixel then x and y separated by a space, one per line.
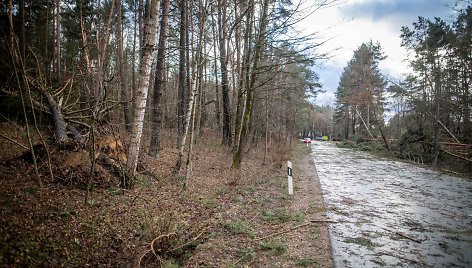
pixel 128 124
pixel 430 120
pixel 150 132
pixel 92 66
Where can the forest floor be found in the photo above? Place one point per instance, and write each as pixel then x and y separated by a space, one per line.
pixel 222 218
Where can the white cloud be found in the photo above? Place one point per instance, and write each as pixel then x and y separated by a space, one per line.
pixel 325 98
pixel 351 23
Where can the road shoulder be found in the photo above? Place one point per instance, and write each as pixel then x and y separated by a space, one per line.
pixel 312 242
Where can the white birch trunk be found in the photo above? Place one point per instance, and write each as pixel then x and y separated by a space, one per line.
pixel 149 32
pixel 190 109
pixel 188 115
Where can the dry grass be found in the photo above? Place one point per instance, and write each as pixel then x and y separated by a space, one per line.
pixel 211 223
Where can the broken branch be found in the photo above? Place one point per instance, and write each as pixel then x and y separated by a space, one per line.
pixel 14 141
pixel 294 228
pixel 194 239
pixel 408 237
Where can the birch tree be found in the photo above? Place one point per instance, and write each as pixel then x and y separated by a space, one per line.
pixel 149 42
pixel 190 114
pixel 182 70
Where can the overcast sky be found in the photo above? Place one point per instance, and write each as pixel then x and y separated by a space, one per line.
pixel 349 23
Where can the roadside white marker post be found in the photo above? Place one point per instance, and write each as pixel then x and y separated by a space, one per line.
pixel 290 182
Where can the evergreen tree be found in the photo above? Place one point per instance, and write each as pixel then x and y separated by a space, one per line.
pixel 359 96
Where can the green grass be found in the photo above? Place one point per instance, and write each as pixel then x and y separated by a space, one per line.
pixel 315 232
pixel 245 254
pixel 170 264
pixel 250 189
pixel 275 246
pixel 304 262
pixel 300 150
pixel 238 227
pixel 281 215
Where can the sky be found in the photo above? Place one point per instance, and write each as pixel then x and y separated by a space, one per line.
pixel 349 23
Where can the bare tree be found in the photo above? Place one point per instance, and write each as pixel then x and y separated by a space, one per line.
pixel 149 42
pixel 222 33
pixel 237 155
pixel 121 66
pixel 190 114
pixel 57 51
pixel 159 82
pixel 182 70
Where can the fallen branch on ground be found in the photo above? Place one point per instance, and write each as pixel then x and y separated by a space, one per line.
pixel 457 156
pixel 14 141
pixel 138 263
pixel 403 235
pixel 408 237
pixel 294 228
pixel 282 232
pixel 400 257
pixel 194 239
pixel 323 221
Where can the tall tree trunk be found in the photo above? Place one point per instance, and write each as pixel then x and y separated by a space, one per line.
pixel 379 125
pixel 237 156
pixel 200 103
pixel 188 48
pixel 11 31
pixel 137 5
pixel 159 82
pixel 22 30
pixel 354 117
pixel 182 71
pixel 245 75
pixel 58 40
pixel 105 40
pixel 201 68
pixel 190 114
pixel 88 91
pixel 224 72
pixel 346 121
pixel 121 66
pixel 46 38
pixel 217 92
pixel 237 13
pixel 466 99
pixel 188 164
pixel 141 12
pixel 149 42
pixel 102 44
pixel 266 136
pixel 437 92
pixel 202 113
